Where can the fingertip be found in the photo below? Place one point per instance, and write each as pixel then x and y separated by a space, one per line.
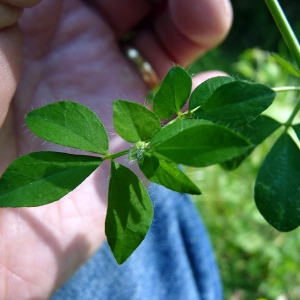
pixel 22 3
pixel 189 28
pixel 204 22
pixel 9 15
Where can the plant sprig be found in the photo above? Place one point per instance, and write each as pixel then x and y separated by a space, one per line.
pixel 285 29
pixel 221 126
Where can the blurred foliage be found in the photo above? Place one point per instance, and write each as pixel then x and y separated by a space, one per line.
pixel 253 27
pixel 255 260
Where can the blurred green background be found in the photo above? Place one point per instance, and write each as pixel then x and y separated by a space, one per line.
pixel 255 260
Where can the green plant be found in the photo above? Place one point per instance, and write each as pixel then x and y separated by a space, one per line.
pixel 222 125
pixel 43 177
pixel 255 260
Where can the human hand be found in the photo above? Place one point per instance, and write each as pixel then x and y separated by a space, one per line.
pixel 70 51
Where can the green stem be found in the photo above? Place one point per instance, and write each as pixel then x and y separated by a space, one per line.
pixel 289 122
pixel 116 155
pixel 286 88
pixel 189 113
pixel 285 29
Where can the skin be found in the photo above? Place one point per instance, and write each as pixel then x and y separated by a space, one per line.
pixel 68 50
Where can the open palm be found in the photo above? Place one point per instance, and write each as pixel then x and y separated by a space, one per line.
pixel 70 51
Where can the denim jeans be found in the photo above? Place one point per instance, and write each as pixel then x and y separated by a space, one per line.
pixel 174 262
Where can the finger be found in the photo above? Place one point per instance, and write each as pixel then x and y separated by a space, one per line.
pixel 201 21
pixel 184 31
pixel 191 29
pixel 9 15
pixel 10 65
pixel 11 10
pixel 21 3
pixel 124 15
pixel 10 51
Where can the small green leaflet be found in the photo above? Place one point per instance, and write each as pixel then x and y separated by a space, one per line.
pixel 174 127
pixel 259 129
pixel 69 124
pixel 134 122
pixel 286 65
pixel 204 90
pixel 296 128
pixel 256 132
pixel 173 93
pixel 235 103
pixel 129 212
pixel 198 143
pixel 277 187
pixel 160 170
pixel 40 178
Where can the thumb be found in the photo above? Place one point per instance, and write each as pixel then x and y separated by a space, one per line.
pixel 10 66
pixel 10 50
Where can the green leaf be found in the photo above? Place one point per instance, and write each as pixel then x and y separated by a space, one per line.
pixel 173 93
pixel 134 122
pixel 256 132
pixel 40 178
pixel 129 212
pixel 164 172
pixel 236 103
pixel 203 91
pixel 277 187
pixel 198 143
pixel 296 128
pixel 286 65
pixel 69 124
pixel 259 129
pixel 174 127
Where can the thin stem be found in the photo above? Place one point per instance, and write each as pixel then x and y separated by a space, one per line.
pixel 189 113
pixel 116 155
pixel 296 109
pixel 286 89
pixel 285 29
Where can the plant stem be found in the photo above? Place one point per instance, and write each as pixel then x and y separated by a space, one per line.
pixel 189 113
pixel 116 155
pixel 286 88
pixel 296 109
pixel 285 29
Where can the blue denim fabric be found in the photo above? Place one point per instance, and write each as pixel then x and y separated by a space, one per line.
pixel 174 262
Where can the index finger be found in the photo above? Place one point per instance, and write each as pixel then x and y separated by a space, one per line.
pixel 184 31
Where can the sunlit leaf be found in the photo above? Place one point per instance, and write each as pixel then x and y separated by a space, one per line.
pixel 129 212
pixel 286 65
pixel 134 122
pixel 203 91
pixel 277 187
pixel 69 124
pixel 173 128
pixel 256 132
pixel 40 178
pixel 259 129
pixel 296 127
pixel 162 171
pixel 197 143
pixel 236 103
pixel 173 93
